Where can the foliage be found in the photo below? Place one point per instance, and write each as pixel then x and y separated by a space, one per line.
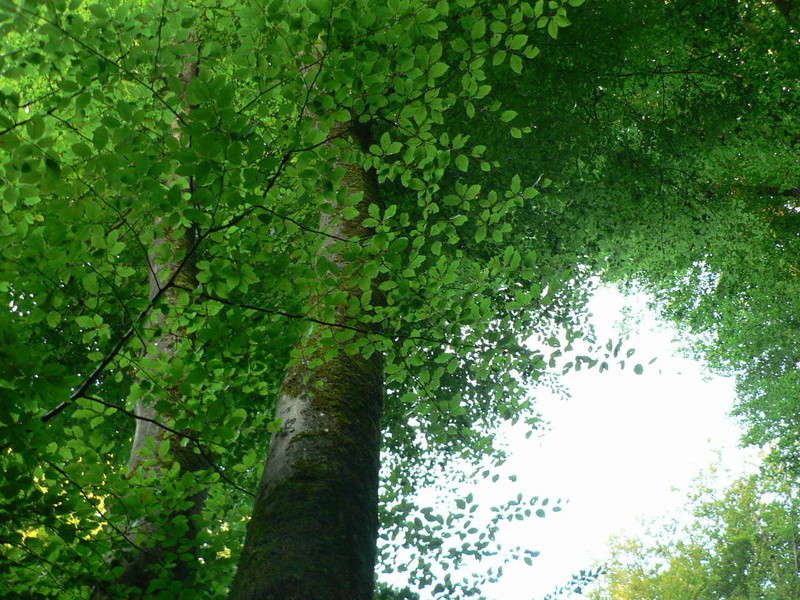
pixel 109 157
pixel 385 592
pixel 741 542
pixel 672 150
pixel 577 583
pixel 517 157
pixel 671 143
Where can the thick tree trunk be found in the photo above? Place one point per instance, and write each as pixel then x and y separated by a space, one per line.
pixel 314 526
pixel 159 549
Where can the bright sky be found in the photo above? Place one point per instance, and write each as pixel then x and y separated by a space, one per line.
pixel 620 449
pixel 616 449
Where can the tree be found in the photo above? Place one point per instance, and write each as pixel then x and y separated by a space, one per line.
pixel 308 207
pixel 738 543
pixel 672 152
pixel 400 192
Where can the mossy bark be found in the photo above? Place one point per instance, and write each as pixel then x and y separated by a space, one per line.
pixel 160 545
pixel 314 526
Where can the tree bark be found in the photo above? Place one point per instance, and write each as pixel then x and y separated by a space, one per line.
pixel 159 544
pixel 314 525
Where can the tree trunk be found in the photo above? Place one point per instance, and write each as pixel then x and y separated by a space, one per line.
pixel 159 546
pixel 314 526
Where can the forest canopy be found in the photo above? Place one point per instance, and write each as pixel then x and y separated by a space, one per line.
pixel 269 267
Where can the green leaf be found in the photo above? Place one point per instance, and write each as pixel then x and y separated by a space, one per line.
pixel 35 127
pixel 478 29
pixel 517 42
pixel 515 62
pixel 53 318
pixel 81 150
pixel 370 222
pixel 320 7
pixel 90 283
pixel 459 45
pixel 508 115
pixel 84 321
pixel 100 138
pixel 531 52
pixel 53 166
pixel 438 69
pixel 399 245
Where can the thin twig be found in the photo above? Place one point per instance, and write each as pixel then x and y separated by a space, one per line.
pixel 85 496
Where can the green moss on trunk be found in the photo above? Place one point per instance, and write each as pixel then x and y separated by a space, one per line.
pixel 315 520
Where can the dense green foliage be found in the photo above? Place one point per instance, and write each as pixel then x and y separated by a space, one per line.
pixel 674 157
pixel 679 173
pixel 651 143
pixel 671 140
pixel 115 164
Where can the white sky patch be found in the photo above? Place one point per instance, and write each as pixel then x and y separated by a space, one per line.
pixel 616 450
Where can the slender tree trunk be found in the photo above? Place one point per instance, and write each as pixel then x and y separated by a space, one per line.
pixel 314 526
pixel 159 553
